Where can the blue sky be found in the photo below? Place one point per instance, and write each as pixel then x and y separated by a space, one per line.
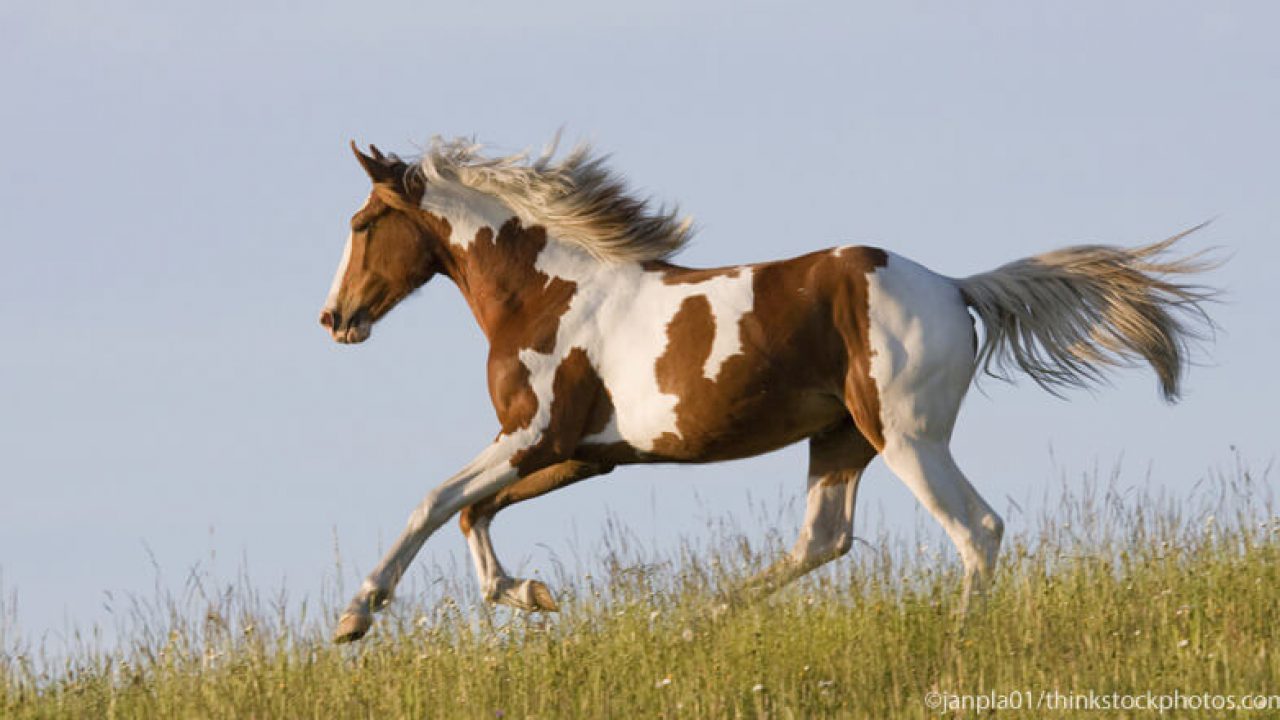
pixel 176 186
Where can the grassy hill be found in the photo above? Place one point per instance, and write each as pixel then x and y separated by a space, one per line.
pixel 1111 594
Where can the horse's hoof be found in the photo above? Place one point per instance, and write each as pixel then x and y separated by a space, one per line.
pixel 352 627
pixel 540 598
pixel 526 595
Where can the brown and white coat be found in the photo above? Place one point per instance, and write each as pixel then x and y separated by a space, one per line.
pixel 604 353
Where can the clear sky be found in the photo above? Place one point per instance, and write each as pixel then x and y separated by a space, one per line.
pixel 175 188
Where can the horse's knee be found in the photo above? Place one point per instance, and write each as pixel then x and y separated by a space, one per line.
pixel 468 518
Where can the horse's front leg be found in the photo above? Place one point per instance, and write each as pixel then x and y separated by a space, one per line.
pixel 491 471
pixel 497 586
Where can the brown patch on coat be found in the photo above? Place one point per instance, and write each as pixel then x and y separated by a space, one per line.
pixel 512 395
pixel 690 334
pixel 804 364
pixel 676 275
pixel 517 305
pixel 580 406
pixel 861 393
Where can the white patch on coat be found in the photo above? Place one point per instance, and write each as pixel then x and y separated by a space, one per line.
pixel 467 210
pixel 730 298
pixel 632 308
pixel 923 361
pixel 922 349
pixel 331 301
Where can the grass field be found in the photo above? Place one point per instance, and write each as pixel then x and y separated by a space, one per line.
pixel 1110 591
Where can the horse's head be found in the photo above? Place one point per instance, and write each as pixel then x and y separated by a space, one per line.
pixel 394 248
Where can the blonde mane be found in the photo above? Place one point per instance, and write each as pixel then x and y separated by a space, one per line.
pixel 577 198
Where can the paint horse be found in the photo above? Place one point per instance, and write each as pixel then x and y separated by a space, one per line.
pixel 602 352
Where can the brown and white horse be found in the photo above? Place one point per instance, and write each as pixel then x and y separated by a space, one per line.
pixel 603 353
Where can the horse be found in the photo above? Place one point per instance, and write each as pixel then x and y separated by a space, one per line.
pixel 603 352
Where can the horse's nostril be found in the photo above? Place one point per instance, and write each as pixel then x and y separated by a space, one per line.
pixel 328 318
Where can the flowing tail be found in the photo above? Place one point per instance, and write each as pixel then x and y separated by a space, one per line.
pixel 1065 316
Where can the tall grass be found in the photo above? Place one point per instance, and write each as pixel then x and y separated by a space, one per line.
pixel 1109 590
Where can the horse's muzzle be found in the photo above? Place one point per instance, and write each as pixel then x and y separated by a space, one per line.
pixel 354 329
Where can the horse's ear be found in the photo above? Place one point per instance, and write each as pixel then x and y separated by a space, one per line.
pixel 390 171
pixel 379 167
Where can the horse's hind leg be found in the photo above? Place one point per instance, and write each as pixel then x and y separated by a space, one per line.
pixel 929 471
pixel 497 586
pixel 920 346
pixel 836 460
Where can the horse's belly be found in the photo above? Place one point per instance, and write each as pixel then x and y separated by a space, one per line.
pixel 715 431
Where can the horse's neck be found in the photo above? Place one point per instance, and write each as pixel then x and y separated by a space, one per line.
pixel 515 278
